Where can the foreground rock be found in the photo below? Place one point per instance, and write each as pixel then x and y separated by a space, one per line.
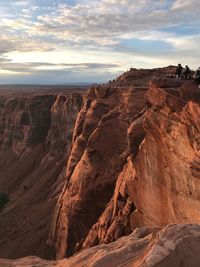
pixel 174 245
pixel 31 261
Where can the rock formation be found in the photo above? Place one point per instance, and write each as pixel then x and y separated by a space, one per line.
pixel 159 182
pixel 98 155
pixel 174 245
pixel 167 164
pixel 132 153
pixel 35 140
pixel 102 196
pixel 127 164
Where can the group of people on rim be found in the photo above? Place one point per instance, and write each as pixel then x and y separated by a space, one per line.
pixel 186 73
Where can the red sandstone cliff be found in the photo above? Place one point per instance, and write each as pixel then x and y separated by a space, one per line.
pixel 166 168
pixel 35 139
pixel 159 182
pixel 98 154
pixel 128 166
pixel 133 162
pixel 174 245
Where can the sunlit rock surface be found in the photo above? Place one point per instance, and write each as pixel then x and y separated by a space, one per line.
pixel 174 245
pixel 165 187
pixel 126 155
pixel 149 155
pixel 122 171
pixel 99 152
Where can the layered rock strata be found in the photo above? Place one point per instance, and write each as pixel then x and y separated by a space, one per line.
pixel 133 163
pixel 98 155
pixel 144 174
pixel 174 245
pixel 166 166
pixel 35 140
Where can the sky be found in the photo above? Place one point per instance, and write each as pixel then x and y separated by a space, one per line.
pixel 73 41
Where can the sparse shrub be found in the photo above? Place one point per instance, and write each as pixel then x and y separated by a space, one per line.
pixel 4 198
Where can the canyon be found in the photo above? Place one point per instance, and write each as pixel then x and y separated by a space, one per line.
pixel 35 139
pixel 107 176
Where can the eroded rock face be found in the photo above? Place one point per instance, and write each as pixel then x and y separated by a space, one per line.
pixel 134 162
pixel 25 121
pixel 165 187
pixel 145 173
pixel 64 112
pixel 174 245
pixel 115 220
pixel 159 182
pixel 35 140
pixel 99 152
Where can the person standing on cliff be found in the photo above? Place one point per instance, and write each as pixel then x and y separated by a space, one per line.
pixel 187 73
pixel 197 76
pixel 179 69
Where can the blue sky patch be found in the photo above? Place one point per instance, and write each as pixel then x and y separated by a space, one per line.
pixel 44 38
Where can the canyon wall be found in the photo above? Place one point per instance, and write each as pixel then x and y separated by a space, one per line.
pixel 98 155
pixel 134 162
pixel 167 165
pixel 125 155
pixel 159 182
pixel 35 140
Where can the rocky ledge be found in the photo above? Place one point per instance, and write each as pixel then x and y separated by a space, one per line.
pixel 174 245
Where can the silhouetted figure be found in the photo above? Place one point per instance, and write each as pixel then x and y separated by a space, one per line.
pixel 197 76
pixel 179 71
pixel 187 73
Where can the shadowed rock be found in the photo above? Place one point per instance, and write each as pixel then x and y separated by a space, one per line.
pixel 35 140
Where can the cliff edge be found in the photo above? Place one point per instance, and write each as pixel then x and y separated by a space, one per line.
pixel 122 164
pixel 134 162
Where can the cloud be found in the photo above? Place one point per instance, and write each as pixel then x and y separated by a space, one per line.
pixel 179 4
pixel 98 23
pixel 115 32
pixel 102 23
pixel 185 42
pixel 7 65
